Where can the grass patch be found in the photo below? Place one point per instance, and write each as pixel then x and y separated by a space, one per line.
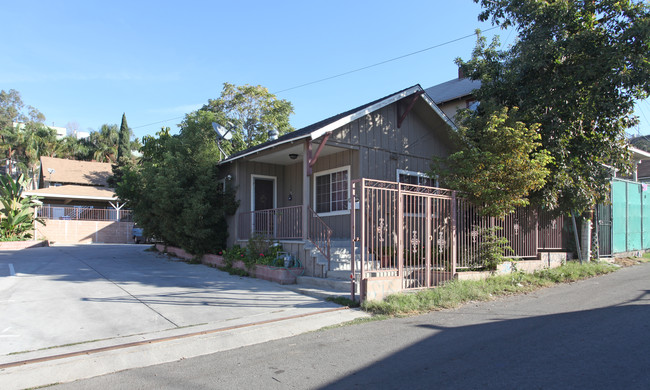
pixel 343 301
pixel 456 293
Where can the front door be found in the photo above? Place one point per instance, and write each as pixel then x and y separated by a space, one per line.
pixel 263 205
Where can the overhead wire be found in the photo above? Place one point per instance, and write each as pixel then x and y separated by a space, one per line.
pixel 348 72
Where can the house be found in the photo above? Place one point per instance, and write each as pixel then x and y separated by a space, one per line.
pixel 454 94
pixel 77 203
pixel 75 184
pixel 298 188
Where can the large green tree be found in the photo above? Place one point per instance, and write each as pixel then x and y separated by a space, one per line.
pixel 174 190
pixel 575 71
pixel 251 112
pixel 498 163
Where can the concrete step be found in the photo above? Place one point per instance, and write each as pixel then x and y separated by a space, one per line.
pixel 339 274
pixel 326 283
pixel 317 292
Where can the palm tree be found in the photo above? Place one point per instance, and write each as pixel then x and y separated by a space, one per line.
pixel 104 143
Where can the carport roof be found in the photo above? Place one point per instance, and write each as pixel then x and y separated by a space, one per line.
pixel 74 192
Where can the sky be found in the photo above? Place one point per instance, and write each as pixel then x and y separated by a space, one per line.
pixel 84 63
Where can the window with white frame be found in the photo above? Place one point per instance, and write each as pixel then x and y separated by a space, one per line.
pixel 416 178
pixel 331 191
pixel 414 206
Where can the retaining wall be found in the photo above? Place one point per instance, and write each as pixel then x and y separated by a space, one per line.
pixel 85 232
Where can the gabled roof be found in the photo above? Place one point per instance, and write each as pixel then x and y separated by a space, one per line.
pixel 452 89
pixel 75 172
pixel 75 192
pixel 318 129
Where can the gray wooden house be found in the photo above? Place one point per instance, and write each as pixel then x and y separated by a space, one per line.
pixel 297 188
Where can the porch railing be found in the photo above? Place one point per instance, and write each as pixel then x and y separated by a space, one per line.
pixel 81 213
pixel 320 235
pixel 284 223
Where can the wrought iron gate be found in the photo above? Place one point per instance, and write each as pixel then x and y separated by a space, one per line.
pixel 604 226
pixel 407 232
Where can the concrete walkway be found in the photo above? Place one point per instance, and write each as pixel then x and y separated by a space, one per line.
pixel 73 312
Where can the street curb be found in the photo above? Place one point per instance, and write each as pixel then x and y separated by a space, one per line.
pixel 88 363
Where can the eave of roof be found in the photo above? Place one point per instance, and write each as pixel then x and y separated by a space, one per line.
pixel 74 192
pixel 318 129
pixel 641 153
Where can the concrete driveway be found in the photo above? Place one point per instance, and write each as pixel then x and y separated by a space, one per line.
pixel 56 296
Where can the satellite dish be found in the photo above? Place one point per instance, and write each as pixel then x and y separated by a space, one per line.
pixel 222 133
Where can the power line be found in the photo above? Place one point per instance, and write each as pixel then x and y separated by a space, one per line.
pixel 155 123
pixel 380 63
pixel 350 71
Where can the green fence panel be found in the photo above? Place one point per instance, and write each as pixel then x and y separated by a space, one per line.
pixel 634 217
pixel 645 209
pixel 619 216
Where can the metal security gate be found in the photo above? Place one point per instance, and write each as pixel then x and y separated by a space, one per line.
pixel 406 232
pixel 604 218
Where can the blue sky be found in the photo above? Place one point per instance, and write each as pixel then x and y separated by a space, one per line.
pixel 87 62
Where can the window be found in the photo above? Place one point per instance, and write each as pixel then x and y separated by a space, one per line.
pixel 472 104
pixel 331 191
pixel 416 178
pixel 221 185
pixel 413 204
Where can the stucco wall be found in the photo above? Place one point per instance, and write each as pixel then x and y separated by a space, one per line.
pixel 85 232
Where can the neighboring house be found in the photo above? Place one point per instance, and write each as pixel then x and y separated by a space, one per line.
pixel 298 187
pixel 640 166
pixel 73 183
pixel 455 94
pixel 77 203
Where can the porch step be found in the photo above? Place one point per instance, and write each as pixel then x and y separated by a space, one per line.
pixel 340 256
pixel 339 274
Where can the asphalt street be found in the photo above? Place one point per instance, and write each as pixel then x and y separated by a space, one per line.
pixel 593 334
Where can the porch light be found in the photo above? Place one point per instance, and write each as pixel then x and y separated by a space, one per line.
pixel 293 156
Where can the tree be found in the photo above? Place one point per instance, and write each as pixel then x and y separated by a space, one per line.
pixel 103 143
pixel 174 190
pixel 251 112
pixel 576 70
pixel 124 141
pixel 124 155
pixel 14 117
pixel 498 163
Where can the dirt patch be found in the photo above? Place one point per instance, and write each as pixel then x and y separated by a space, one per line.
pixel 628 261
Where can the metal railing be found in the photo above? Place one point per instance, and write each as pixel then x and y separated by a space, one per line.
pixel 81 213
pixel 424 234
pixel 284 223
pixel 320 235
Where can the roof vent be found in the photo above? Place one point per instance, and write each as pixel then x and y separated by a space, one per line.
pixel 273 134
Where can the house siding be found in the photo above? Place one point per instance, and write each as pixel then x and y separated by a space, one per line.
pixel 372 146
